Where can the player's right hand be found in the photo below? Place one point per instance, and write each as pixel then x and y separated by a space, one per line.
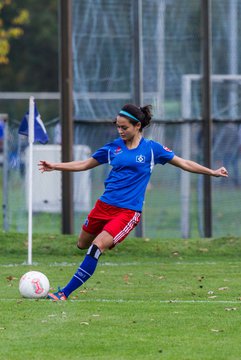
pixel 45 166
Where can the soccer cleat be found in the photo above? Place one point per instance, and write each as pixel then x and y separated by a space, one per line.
pixel 57 296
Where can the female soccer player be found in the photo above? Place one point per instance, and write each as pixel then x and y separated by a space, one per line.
pixel 118 210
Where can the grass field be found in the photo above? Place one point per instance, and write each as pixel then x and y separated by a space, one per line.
pixel 149 299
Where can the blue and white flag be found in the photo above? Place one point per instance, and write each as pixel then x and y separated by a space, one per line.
pixel 40 133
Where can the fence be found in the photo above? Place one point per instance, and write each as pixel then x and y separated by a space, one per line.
pixel 103 73
pixel 165 202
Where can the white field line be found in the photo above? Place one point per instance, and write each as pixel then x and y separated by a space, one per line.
pixel 113 264
pixel 122 301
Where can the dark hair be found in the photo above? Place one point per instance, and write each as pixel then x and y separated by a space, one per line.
pixel 143 114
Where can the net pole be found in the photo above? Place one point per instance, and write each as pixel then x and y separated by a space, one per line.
pixel 138 74
pixel 233 58
pixel 206 114
pixel 66 104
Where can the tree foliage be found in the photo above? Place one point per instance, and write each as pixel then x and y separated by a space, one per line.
pixel 12 20
pixel 33 55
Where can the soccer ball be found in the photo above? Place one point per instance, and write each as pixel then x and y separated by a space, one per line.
pixel 34 285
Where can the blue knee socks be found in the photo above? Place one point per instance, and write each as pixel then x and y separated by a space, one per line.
pixel 85 270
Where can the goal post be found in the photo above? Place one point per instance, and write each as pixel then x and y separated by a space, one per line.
pixel 186 105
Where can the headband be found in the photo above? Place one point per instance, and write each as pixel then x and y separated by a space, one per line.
pixel 122 112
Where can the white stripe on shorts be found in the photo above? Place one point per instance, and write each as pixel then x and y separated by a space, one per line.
pixel 127 228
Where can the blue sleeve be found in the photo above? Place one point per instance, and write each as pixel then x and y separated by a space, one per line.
pixel 102 154
pixel 161 153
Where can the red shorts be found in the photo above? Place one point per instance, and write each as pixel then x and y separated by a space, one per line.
pixel 116 221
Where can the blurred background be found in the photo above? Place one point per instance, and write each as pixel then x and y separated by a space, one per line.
pixel 104 62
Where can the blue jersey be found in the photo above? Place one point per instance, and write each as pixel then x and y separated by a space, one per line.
pixel 126 183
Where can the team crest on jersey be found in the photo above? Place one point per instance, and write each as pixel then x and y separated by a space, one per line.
pixel 167 149
pixel 140 159
pixel 118 150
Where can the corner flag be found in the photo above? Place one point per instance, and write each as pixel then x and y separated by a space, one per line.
pixel 32 127
pixel 40 133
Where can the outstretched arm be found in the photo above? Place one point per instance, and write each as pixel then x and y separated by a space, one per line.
pixel 68 166
pixel 194 167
